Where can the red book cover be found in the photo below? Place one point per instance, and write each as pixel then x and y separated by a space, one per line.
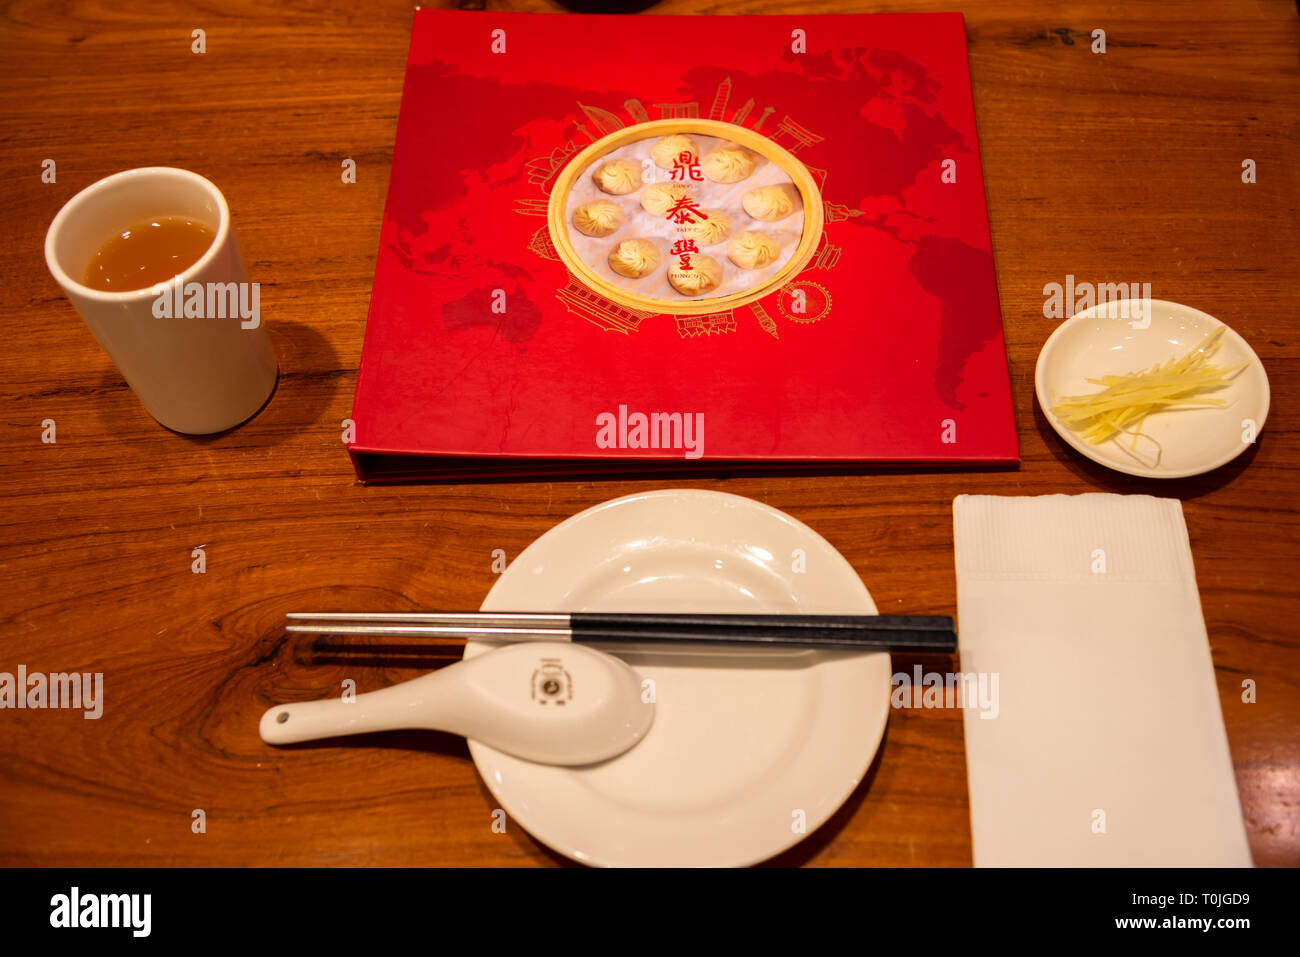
pixel 856 323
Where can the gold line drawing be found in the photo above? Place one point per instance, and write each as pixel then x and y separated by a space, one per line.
pixel 531 207
pixel 742 114
pixel 603 120
pixel 838 212
pixel 715 323
pixel 804 318
pixel 542 245
pixel 827 254
pixel 720 100
pixel 679 111
pixel 544 168
pixel 636 110
pixel 766 322
pixel 799 135
pixel 598 310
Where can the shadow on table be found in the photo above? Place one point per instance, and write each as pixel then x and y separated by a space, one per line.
pixel 628 470
pixel 1120 482
pixel 428 655
pixel 308 381
pixel 818 840
pixel 416 739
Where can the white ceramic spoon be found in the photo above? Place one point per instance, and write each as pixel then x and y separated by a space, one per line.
pixel 549 702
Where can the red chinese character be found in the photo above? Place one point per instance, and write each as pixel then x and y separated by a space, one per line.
pixel 683 210
pixel 685 263
pixel 684 246
pixel 686 167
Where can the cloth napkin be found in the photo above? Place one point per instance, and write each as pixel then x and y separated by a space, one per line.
pixel 1106 746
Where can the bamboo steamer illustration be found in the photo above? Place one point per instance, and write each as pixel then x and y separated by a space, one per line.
pixel 685 216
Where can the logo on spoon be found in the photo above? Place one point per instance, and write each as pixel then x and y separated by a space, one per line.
pixel 551 682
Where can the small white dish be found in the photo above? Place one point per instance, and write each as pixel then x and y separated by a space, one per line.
pixel 1113 339
pixel 750 751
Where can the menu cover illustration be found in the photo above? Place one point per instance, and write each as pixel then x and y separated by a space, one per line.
pixel 638 242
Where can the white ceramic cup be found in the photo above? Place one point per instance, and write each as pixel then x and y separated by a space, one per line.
pixel 196 375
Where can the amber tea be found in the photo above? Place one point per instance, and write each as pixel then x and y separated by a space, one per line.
pixel 147 253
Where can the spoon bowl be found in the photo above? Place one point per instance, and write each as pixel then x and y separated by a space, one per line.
pixel 549 702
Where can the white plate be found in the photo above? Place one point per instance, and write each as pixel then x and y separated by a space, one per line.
pixel 1109 339
pixel 746 747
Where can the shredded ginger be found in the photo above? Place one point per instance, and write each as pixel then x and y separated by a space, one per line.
pixel 1126 401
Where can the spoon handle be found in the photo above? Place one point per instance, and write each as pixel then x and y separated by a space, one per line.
pixel 420 703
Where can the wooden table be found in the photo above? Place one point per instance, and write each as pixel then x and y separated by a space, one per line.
pixel 1119 166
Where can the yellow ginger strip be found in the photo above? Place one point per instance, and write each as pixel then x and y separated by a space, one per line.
pixel 1127 400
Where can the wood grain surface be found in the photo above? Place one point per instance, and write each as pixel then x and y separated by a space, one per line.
pixel 1122 166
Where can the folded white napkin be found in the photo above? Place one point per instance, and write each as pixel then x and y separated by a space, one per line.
pixel 1106 746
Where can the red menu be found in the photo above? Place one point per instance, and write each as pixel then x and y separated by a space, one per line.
pixel 486 354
